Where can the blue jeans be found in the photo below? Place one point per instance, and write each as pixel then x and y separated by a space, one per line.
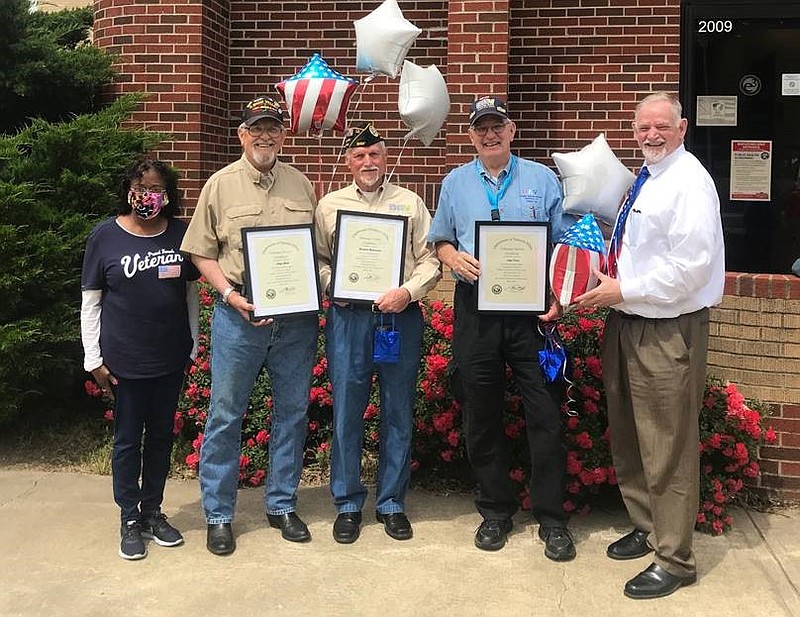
pixel 143 405
pixel 287 349
pixel 350 366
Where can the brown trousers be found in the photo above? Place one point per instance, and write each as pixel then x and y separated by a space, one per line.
pixel 654 374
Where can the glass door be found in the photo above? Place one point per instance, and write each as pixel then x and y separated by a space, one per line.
pixel 740 88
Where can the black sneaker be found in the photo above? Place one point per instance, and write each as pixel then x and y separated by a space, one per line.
pixel 132 546
pixel 156 527
pixel 558 543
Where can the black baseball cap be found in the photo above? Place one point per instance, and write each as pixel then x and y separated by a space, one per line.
pixel 262 107
pixel 487 106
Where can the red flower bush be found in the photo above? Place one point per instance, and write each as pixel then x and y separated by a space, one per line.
pixel 731 429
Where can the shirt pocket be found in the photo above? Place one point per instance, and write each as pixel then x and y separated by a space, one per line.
pixel 297 212
pixel 237 219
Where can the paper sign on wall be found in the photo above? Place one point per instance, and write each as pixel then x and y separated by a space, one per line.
pixel 751 170
pixel 716 110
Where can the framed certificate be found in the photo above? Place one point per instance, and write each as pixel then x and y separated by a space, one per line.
pixel 514 264
pixel 368 255
pixel 280 270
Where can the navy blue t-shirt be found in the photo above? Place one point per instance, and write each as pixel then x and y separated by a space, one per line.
pixel 144 325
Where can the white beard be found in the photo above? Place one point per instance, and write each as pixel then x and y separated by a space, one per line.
pixel 263 159
pixel 653 155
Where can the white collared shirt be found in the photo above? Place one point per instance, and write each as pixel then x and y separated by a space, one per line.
pixel 672 259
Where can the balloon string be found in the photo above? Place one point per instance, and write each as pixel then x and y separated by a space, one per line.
pixel 319 168
pixel 354 103
pixel 569 392
pixel 397 160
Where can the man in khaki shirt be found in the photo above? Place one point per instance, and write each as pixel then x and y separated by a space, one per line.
pixel 257 190
pixel 349 331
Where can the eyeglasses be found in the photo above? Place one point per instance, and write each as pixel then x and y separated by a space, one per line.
pixel 497 129
pixel 256 130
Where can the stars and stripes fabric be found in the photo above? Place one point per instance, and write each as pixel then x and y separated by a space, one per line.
pixel 579 251
pixel 619 228
pixel 317 97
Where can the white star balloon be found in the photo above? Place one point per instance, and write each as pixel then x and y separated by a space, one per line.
pixel 383 39
pixel 423 101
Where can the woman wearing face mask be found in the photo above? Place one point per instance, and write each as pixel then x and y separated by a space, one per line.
pixel 139 319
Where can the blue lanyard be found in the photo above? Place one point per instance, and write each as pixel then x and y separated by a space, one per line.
pixel 493 196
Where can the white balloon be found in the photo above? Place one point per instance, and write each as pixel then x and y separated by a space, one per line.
pixel 594 180
pixel 383 39
pixel 423 101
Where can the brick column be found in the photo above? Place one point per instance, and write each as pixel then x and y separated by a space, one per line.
pixel 177 51
pixel 477 64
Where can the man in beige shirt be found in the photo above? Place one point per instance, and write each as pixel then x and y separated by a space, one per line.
pixel 349 330
pixel 258 190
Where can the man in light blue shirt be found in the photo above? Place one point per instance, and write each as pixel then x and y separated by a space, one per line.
pixel 500 186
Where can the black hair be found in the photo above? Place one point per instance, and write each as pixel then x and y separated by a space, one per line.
pixel 137 170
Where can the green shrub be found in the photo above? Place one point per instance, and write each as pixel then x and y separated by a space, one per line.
pixel 57 180
pixel 48 68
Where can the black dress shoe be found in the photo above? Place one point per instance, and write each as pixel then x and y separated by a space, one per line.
pixel 396 525
pixel 219 539
pixel 656 582
pixel 558 544
pixel 347 527
pixel 630 546
pixel 492 534
pixel 292 527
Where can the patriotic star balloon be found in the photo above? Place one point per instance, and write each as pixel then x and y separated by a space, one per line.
pixel 579 251
pixel 317 97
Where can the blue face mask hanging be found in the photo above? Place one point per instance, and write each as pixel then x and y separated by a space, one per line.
pixel 553 362
pixel 386 342
pixel 553 358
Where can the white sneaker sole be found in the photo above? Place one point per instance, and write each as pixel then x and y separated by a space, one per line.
pixel 149 536
pixel 135 557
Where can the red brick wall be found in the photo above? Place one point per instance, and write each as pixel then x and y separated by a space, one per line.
pixel 177 53
pixel 755 342
pixel 577 69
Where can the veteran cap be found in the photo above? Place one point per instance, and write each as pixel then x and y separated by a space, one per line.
pixel 362 134
pixel 262 107
pixel 487 106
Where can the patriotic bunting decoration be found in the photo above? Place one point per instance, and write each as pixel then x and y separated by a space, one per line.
pixel 317 97
pixel 580 250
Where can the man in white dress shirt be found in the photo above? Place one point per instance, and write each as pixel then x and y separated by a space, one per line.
pixel 670 268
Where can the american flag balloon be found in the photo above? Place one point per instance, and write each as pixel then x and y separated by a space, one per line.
pixel 578 252
pixel 317 97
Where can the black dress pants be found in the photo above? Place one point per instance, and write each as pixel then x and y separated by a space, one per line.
pixel 483 345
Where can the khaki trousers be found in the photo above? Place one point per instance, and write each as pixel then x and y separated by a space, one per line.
pixel 654 374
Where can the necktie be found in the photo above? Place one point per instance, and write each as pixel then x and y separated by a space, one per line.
pixel 619 228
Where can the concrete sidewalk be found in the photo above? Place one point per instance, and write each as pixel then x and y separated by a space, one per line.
pixel 59 537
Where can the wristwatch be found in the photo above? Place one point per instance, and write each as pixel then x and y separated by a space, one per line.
pixel 227 293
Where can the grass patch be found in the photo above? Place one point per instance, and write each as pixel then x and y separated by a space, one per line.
pixel 81 443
